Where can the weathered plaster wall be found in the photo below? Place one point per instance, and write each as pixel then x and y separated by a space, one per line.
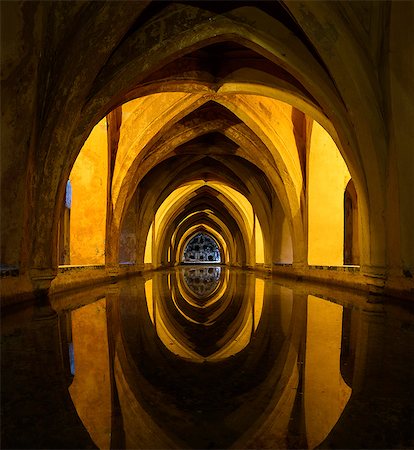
pixel 326 393
pixel 91 386
pixel 401 118
pixel 89 199
pixel 22 28
pixel 327 179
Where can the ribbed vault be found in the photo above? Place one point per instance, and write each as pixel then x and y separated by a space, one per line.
pixel 242 83
pixel 244 88
pixel 280 129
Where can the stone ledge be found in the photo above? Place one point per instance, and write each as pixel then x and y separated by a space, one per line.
pixel 345 276
pixel 71 268
pixel 77 277
pixel 345 268
pixel 16 289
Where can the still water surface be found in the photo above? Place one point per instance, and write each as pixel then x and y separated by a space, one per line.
pixel 205 357
pixel 211 358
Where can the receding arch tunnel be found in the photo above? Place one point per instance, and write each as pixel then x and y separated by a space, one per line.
pixel 211 162
pixel 254 59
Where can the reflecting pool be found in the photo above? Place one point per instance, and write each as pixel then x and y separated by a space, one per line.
pixel 205 357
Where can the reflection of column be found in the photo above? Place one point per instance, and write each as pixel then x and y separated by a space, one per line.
pixel 114 332
pixel 135 427
pixel 280 409
pixel 296 430
pixel 91 388
pixel 326 393
pixel 350 325
pixel 378 414
pixel 369 351
pixel 36 408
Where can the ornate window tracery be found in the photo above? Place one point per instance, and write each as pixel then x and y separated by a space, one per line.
pixel 201 248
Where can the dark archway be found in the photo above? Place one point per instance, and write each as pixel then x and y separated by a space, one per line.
pixel 351 240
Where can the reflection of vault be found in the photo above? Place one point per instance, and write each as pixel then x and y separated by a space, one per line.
pixel 209 330
pixel 290 370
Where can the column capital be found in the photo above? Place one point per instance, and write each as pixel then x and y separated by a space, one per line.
pixel 42 278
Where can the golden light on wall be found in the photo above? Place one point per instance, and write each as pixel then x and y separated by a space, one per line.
pixel 204 308
pixel 174 202
pixel 88 178
pixel 272 226
pixel 328 177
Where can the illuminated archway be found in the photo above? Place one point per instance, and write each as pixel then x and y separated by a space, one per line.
pixel 226 23
pixel 289 70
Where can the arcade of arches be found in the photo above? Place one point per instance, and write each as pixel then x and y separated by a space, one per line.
pixel 248 121
pixel 278 132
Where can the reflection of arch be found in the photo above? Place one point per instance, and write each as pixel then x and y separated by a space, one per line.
pixel 201 248
pixel 202 282
pixel 350 318
pixel 351 232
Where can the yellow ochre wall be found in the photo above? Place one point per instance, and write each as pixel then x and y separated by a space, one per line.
pixel 91 387
pixel 328 176
pixel 89 199
pixel 326 393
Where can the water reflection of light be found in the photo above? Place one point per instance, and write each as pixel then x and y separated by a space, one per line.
pixel 263 348
pixel 213 291
pixel 202 282
pixel 326 393
pixel 90 389
pixel 71 358
pixel 224 309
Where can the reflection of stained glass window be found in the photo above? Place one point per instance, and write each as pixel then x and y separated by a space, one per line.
pixel 202 282
pixel 71 358
pixel 201 248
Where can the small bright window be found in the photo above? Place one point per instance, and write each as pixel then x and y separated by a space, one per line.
pixel 201 248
